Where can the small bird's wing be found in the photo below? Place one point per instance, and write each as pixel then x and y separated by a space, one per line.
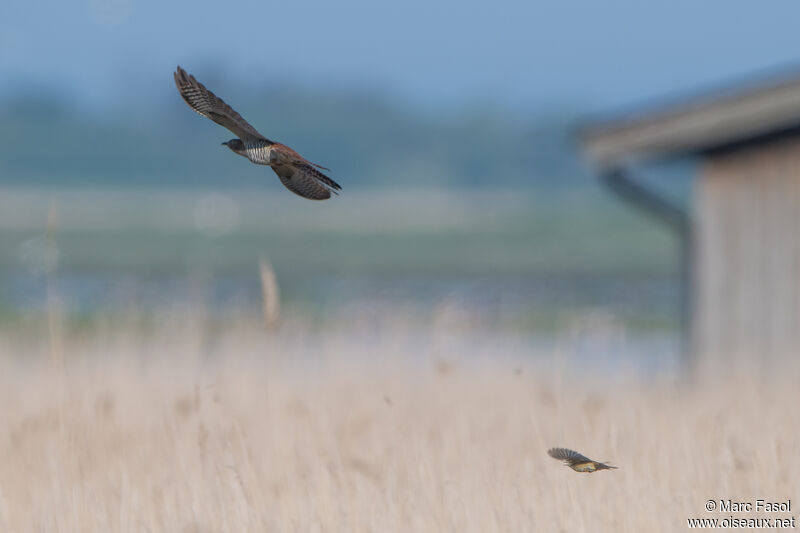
pixel 568 456
pixel 210 106
pixel 306 181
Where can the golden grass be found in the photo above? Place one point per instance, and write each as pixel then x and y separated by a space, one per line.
pixel 180 430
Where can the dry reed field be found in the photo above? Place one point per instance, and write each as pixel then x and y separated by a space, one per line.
pixel 183 427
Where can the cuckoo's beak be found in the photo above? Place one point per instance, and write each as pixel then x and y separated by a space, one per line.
pixel 225 143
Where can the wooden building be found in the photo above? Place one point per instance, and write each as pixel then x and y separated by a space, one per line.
pixel 741 233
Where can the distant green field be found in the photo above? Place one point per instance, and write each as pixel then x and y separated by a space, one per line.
pixel 528 257
pixel 161 231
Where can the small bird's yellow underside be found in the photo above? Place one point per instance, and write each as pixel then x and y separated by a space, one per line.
pixel 584 467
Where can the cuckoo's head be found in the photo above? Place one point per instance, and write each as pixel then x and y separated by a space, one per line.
pixel 236 145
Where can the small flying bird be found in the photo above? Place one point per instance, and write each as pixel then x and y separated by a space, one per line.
pixel 298 174
pixel 576 461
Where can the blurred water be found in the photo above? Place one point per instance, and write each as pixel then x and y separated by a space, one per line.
pixel 605 328
pixel 495 300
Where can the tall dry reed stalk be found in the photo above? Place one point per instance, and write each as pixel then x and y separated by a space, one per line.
pixel 270 294
pixel 50 264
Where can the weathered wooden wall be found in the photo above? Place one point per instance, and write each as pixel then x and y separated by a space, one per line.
pixel 747 254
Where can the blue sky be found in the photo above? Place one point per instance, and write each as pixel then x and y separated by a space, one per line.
pixel 524 56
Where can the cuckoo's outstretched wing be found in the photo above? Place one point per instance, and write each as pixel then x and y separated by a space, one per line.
pixel 209 105
pixel 306 181
pixel 568 456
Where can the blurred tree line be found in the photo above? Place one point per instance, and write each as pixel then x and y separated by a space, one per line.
pixel 365 140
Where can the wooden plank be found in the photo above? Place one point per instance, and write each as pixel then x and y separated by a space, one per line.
pixel 747 211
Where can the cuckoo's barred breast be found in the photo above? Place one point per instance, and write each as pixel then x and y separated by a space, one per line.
pixel 258 152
